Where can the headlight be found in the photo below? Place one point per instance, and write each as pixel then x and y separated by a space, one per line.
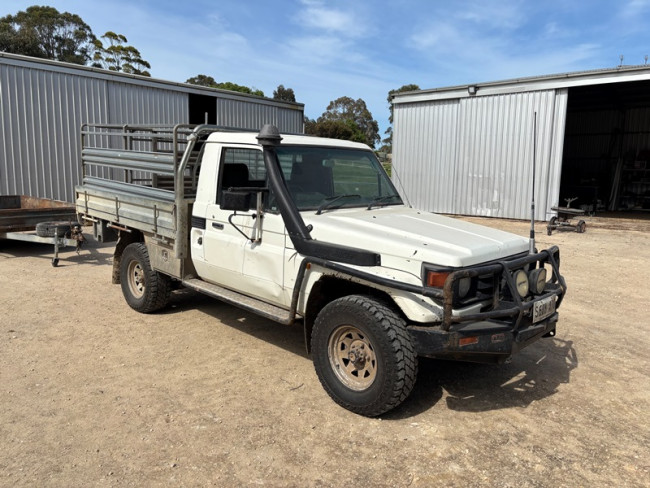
pixel 537 280
pixel 464 285
pixel 521 282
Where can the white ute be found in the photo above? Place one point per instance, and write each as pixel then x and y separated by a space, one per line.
pixel 312 231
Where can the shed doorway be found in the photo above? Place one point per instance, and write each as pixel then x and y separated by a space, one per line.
pixel 203 109
pixel 606 159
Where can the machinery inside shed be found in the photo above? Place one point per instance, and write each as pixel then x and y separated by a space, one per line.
pixel 606 160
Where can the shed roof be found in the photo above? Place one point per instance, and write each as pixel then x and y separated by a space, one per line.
pixel 92 72
pixel 619 74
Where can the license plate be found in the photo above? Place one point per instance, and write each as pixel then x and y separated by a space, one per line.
pixel 543 308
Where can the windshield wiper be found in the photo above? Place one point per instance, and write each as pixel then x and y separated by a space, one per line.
pixel 327 202
pixel 380 200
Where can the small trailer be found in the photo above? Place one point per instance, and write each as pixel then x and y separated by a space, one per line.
pixel 31 219
pixel 564 217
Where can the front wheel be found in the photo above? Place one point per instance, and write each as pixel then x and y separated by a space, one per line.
pixel 363 355
pixel 144 289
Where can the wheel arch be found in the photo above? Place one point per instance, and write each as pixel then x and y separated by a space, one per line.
pixel 124 239
pixel 329 288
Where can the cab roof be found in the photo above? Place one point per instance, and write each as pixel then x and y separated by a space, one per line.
pixel 234 137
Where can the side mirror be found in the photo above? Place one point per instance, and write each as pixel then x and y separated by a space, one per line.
pixel 237 201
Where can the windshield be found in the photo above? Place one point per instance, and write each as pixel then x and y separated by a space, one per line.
pixel 321 178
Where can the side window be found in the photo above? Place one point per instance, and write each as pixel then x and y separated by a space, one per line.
pixel 241 168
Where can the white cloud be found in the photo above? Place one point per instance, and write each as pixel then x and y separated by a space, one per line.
pixel 469 26
pixel 551 29
pixel 632 17
pixel 492 13
pixel 480 43
pixel 435 36
pixel 316 16
pixel 552 61
pixel 635 7
pixel 318 50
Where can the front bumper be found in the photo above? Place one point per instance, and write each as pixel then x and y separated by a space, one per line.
pixel 485 341
pixel 507 327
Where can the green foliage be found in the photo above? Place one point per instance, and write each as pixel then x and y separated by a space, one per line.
pixel 228 85
pixel 44 32
pixel 202 80
pixel 354 115
pixel 209 81
pixel 388 141
pixel 334 129
pixel 118 56
pixel 402 89
pixel 282 93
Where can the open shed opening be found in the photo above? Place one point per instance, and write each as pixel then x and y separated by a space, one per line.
pixel 203 109
pixel 606 160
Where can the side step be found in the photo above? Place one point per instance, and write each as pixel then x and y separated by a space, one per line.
pixel 242 301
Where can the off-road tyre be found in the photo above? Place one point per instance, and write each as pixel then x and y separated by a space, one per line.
pixel 52 229
pixel 361 325
pixel 144 289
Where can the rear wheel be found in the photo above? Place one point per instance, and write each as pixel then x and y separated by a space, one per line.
pixel 363 355
pixel 144 289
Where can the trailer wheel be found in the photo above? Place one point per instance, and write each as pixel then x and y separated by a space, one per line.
pixel 52 229
pixel 551 225
pixel 144 289
pixel 363 355
pixel 581 227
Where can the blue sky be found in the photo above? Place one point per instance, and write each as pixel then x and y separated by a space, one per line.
pixel 362 49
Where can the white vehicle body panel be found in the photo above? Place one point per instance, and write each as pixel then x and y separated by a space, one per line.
pixel 414 236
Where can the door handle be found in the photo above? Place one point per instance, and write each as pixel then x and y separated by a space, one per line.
pixel 217 226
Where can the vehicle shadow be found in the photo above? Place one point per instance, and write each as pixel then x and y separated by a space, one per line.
pixel 533 374
pixel 288 337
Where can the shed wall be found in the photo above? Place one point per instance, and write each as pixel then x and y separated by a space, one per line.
pixel 146 105
pixel 251 115
pixel 44 104
pixel 474 156
pixel 41 115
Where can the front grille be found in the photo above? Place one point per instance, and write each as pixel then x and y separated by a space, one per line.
pixel 494 281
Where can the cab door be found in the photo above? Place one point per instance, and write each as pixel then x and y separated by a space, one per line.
pixel 241 251
pixel 222 244
pixel 264 261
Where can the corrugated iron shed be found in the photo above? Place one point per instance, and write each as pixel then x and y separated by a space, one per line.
pixel 44 103
pixel 468 149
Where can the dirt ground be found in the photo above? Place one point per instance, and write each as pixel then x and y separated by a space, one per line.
pixel 95 394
